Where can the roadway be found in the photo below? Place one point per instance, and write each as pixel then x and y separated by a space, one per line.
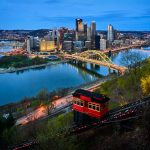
pixel 124 48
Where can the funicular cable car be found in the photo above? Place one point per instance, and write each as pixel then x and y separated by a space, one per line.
pixel 86 103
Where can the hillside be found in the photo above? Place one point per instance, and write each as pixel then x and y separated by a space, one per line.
pixel 55 133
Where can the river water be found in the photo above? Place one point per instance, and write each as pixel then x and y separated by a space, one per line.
pixel 27 83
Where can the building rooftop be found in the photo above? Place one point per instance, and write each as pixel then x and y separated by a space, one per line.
pixel 100 98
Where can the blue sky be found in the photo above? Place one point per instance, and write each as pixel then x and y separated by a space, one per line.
pixel 37 14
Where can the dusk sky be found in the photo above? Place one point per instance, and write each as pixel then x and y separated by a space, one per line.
pixel 37 14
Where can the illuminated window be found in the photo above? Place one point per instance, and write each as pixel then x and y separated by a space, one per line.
pixel 78 102
pixel 95 107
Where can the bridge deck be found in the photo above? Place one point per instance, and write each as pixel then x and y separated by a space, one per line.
pixel 121 69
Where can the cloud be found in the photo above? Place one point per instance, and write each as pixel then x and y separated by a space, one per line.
pixel 107 15
pixel 63 12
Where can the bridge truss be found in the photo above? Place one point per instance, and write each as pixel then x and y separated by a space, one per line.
pixel 95 55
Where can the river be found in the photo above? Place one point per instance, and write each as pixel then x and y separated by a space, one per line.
pixel 27 83
pixel 7 46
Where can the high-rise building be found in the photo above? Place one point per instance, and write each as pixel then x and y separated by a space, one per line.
pixel 62 31
pixel 67 45
pixel 85 31
pixel 93 29
pixel 93 33
pixel 103 44
pixel 79 25
pixel 28 45
pixel 81 30
pixel 85 28
pixel 81 36
pixel 32 43
pixel 47 45
pixel 97 42
pixel 78 45
pixel 55 33
pixel 88 33
pixel 110 33
pixel 52 35
pixel 36 42
pixel 88 45
pixel 68 37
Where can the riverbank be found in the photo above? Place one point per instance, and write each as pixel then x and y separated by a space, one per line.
pixel 10 70
pixel 60 103
pixel 20 108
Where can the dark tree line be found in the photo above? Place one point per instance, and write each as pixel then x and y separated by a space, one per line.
pixel 20 61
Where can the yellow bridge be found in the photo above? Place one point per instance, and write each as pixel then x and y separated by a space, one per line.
pixel 96 57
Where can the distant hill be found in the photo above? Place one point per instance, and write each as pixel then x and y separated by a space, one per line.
pixel 39 33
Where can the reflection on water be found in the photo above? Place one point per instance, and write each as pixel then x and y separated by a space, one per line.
pixel 5 46
pixel 28 70
pixel 15 86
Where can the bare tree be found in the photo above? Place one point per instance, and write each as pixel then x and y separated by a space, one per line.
pixel 49 107
pixel 132 59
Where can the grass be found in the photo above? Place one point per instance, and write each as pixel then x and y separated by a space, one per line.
pixel 113 105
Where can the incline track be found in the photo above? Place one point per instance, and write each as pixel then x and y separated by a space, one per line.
pixel 127 112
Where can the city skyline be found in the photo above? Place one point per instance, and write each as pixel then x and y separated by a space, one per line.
pixel 26 14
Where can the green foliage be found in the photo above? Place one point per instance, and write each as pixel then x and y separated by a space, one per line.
pixel 35 103
pixel 126 88
pixel 8 134
pixel 53 135
pixel 6 124
pixel 113 105
pixel 145 84
pixel 43 94
pixel 40 33
pixel 10 121
pixel 2 124
pixel 20 61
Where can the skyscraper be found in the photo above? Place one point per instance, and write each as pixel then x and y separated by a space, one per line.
pixel 110 33
pixel 85 28
pixel 67 45
pixel 32 43
pixel 93 29
pixel 93 33
pixel 88 45
pixel 103 44
pixel 80 30
pixel 88 33
pixel 79 25
pixel 97 42
pixel 28 45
